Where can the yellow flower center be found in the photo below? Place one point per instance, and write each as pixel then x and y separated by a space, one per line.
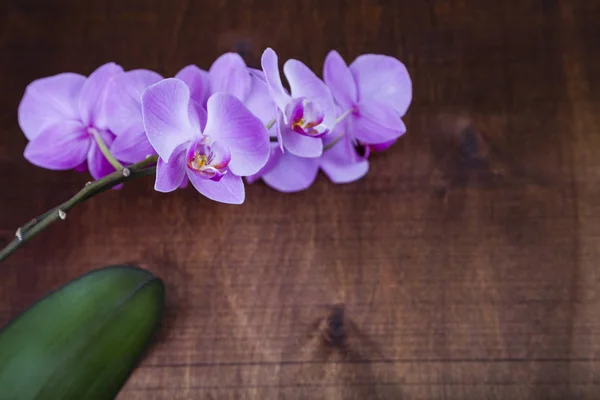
pixel 199 161
pixel 298 124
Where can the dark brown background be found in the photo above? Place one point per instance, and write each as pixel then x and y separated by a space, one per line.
pixel 468 256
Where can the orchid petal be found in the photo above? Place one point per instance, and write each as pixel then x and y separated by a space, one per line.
pixel 48 101
pixel 339 79
pixel 124 100
pixel 259 101
pixel 97 163
pixel 185 182
pixel 300 145
pixel 276 153
pixel 165 110
pixel 383 79
pixel 229 74
pixel 257 73
pixel 93 95
pixel 171 175
pixel 230 189
pixel 378 147
pixel 270 68
pixel 292 174
pixel 280 125
pixel 198 82
pixel 197 115
pixel 132 146
pixel 375 123
pixel 304 83
pixel 221 155
pixel 340 165
pixel 83 166
pixel 59 147
pixel 230 123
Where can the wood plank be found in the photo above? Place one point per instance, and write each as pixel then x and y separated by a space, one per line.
pixel 466 257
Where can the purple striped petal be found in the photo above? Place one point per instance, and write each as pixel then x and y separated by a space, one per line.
pixel 236 128
pixel 259 101
pixel 124 100
pixel 340 163
pixel 131 147
pixel 300 145
pixel 185 182
pixel 339 79
pixel 48 101
pixel 304 83
pixel 93 95
pixel 228 74
pixel 172 175
pixel 60 146
pixel 292 174
pixel 378 147
pixel 197 81
pixel 230 189
pixel 270 68
pixel 165 110
pixel 383 79
pixel 83 166
pixel 375 123
pixel 197 115
pixel 257 73
pixel 279 126
pixel 276 153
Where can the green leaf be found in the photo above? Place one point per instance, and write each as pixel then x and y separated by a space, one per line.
pixel 83 340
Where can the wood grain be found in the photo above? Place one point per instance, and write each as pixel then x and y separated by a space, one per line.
pixel 467 258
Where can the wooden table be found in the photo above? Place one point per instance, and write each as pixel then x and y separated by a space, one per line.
pixel 467 258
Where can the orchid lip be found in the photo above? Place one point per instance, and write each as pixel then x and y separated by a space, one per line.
pixel 306 118
pixel 208 159
pixel 311 132
pixel 296 111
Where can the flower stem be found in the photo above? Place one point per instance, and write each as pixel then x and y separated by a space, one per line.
pixel 334 142
pixel 343 116
pixel 270 124
pixel 35 226
pixel 341 135
pixel 104 149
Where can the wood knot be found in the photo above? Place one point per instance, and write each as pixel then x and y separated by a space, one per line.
pixel 334 329
pixel 458 144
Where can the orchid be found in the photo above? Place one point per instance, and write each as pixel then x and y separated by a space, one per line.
pixel 374 92
pixel 305 115
pixel 212 148
pixel 288 173
pixel 229 74
pixel 124 105
pixel 64 117
pixel 214 127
